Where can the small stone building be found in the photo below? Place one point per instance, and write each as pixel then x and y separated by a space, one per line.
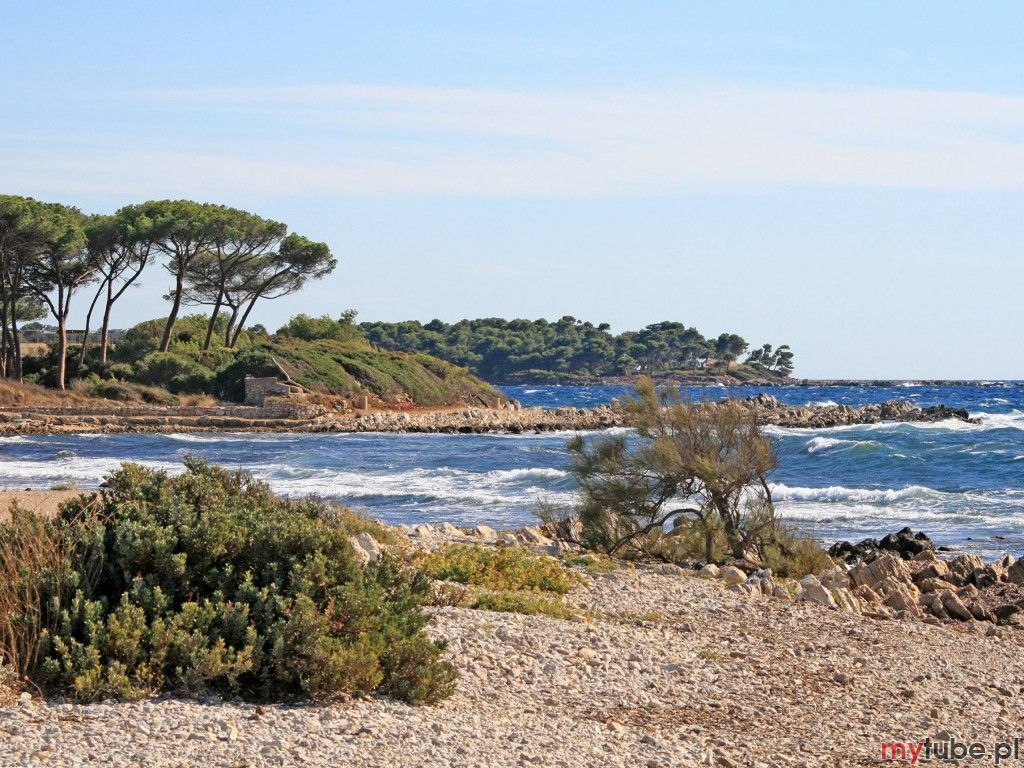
pixel 259 388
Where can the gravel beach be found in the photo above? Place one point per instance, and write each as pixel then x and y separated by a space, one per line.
pixel 665 670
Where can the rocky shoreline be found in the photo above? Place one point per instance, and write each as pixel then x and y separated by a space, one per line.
pixel 657 666
pixel 297 416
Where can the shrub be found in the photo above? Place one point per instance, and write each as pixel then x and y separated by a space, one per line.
pixel 496 569
pixel 174 372
pixel 703 462
pixel 528 603
pixel 794 557
pixel 33 564
pixel 207 582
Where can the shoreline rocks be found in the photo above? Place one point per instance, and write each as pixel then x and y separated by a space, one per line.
pixel 296 416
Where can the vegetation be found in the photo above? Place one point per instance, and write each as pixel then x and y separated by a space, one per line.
pixel 528 603
pixel 497 569
pixel 697 464
pixel 506 579
pixel 325 356
pixel 217 256
pixel 504 350
pixel 207 582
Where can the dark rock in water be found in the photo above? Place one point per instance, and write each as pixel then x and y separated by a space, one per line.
pixel 905 543
pixel 852 554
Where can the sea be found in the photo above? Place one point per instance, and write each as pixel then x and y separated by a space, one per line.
pixel 962 484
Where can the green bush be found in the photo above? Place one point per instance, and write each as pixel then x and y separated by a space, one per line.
pixel 207 582
pixel 497 569
pixel 174 372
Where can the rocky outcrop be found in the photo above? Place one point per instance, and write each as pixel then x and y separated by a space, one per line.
pixel 904 543
pixel 771 410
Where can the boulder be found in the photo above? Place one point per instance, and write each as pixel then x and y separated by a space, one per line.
pixel 954 606
pixel 935 569
pixel 906 543
pixel 732 575
pixel 811 589
pixel 365 548
pixel 885 568
pixel 1015 572
pixel 962 568
pixel 934 585
pixel 485 532
pixel 709 571
pixel 845 600
pixel 836 578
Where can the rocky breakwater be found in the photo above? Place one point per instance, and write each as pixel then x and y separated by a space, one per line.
pixel 511 420
pixel 771 410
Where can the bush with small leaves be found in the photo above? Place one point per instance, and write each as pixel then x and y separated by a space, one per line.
pixel 208 582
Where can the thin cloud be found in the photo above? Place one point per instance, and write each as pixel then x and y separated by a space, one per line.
pixel 358 139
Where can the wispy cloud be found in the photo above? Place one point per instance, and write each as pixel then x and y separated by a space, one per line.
pixel 356 139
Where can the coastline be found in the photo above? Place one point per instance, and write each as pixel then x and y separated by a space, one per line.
pixel 298 416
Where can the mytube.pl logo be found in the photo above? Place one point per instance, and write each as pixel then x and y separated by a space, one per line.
pixel 914 752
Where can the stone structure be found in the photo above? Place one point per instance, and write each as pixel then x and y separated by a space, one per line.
pixel 259 388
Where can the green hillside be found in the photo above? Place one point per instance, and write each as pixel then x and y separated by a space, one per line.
pixel 325 356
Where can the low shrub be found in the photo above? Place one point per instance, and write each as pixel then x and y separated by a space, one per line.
pixel 529 603
pixel 591 562
pixel 793 556
pixel 33 565
pixel 208 582
pixel 499 569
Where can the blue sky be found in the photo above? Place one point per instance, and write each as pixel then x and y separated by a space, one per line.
pixel 847 178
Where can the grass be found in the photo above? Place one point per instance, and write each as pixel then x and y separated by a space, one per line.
pixel 499 570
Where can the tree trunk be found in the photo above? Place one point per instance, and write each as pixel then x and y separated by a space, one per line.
pixel 230 326
pixel 88 323
pixel 16 342
pixel 62 350
pixel 241 322
pixel 165 343
pixel 104 341
pixel 213 320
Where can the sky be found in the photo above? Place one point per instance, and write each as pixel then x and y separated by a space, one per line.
pixel 846 178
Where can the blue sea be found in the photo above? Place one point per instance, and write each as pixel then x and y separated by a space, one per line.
pixel 963 484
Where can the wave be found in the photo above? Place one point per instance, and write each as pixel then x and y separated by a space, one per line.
pixel 835 444
pixel 839 493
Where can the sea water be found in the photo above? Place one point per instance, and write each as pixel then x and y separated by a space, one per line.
pixel 963 484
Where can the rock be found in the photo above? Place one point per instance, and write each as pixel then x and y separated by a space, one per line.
pixel 886 568
pixel 837 578
pixel 954 606
pixel 670 569
pixel 709 571
pixel 845 600
pixel 936 569
pixel 485 532
pixel 732 575
pixel 811 589
pixel 934 585
pixel 365 547
pixel 1015 572
pixel 906 543
pixel 533 535
pixel 962 568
